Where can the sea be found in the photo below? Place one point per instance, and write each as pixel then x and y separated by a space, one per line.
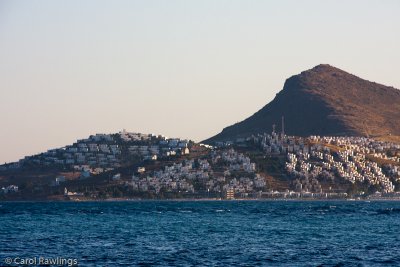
pixel 200 233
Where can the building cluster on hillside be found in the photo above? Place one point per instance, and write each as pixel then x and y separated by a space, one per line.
pixel 103 152
pixel 313 162
pixel 98 151
pixel 9 189
pixel 224 170
pixel 350 162
pixel 281 144
pixel 353 159
pixel 156 146
pixel 172 178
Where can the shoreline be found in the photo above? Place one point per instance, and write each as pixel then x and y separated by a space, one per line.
pixel 203 200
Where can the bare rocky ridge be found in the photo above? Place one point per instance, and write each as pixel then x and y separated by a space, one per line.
pixel 325 101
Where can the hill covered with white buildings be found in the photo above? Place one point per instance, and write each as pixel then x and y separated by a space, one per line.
pixel 133 165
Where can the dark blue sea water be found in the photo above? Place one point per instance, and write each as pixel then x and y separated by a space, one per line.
pixel 208 233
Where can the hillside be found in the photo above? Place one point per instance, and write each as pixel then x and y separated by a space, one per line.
pixel 128 165
pixel 325 101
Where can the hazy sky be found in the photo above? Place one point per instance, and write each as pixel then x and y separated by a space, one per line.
pixel 186 69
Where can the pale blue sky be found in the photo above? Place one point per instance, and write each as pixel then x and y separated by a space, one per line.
pixel 186 69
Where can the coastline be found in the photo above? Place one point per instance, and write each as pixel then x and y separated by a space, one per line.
pixel 204 200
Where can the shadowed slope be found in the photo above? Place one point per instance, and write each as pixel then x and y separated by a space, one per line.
pixel 325 101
